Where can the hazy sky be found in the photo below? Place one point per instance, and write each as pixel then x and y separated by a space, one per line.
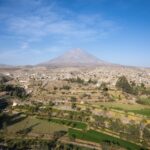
pixel 33 31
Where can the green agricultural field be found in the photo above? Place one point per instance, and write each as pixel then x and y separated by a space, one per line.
pixel 98 137
pixel 136 108
pixel 121 106
pixel 74 124
pixel 36 126
pixel 144 112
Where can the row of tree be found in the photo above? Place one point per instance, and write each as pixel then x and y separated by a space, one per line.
pixel 139 133
pixel 14 90
pixel 131 87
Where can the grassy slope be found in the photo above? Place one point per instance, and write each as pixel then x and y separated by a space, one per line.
pixel 37 125
pixel 136 108
pixel 74 124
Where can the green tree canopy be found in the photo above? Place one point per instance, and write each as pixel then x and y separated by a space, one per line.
pixel 123 84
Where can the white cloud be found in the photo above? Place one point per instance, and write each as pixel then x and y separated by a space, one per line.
pixel 62 27
pixel 33 28
pixel 48 21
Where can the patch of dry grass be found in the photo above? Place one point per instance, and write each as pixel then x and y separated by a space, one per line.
pixel 37 126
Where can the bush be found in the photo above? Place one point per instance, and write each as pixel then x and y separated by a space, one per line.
pixel 144 101
pixel 66 87
pixel 92 81
pixel 4 79
pixel 76 80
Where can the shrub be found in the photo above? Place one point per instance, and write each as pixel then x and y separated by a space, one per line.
pixel 66 87
pixel 144 101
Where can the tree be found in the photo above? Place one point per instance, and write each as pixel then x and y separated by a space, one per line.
pixel 133 132
pixel 73 105
pixel 58 134
pixel 146 134
pixel 51 103
pixel 116 125
pixel 72 137
pixel 13 90
pixel 104 86
pixel 123 84
pixel 92 81
pixel 73 99
pixel 5 127
pixel 66 87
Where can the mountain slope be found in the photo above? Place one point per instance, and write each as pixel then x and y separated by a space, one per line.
pixel 76 57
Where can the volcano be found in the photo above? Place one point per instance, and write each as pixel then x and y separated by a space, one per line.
pixel 75 57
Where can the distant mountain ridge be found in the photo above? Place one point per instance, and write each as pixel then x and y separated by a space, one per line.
pixel 76 57
pixel 5 66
